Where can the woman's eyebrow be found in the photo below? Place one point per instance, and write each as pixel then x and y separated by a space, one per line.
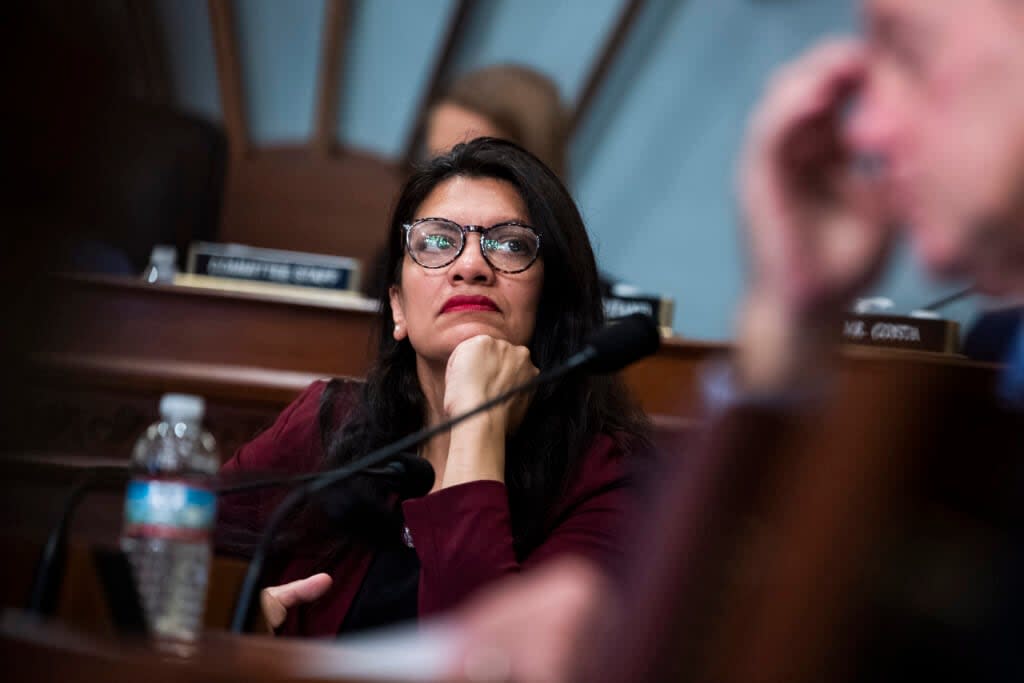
pixel 513 218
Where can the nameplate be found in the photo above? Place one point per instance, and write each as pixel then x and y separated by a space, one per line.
pixel 661 310
pixel 277 266
pixel 902 332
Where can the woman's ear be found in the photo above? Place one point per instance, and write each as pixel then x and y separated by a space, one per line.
pixel 397 313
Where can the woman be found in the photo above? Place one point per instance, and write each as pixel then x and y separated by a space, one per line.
pixel 471 311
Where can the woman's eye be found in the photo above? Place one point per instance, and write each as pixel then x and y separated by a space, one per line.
pixel 437 242
pixel 511 245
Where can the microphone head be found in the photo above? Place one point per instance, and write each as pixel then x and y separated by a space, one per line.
pixel 415 476
pixel 622 342
pixel 361 504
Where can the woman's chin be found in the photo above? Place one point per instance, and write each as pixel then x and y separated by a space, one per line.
pixel 457 331
pixel 439 346
pixel 469 333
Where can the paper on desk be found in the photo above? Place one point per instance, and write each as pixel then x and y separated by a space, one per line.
pixel 410 653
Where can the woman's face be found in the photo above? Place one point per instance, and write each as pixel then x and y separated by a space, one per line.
pixel 437 309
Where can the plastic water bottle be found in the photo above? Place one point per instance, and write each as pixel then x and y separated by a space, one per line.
pixel 168 519
pixel 163 265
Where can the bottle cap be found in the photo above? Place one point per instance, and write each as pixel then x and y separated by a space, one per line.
pixel 182 408
pixel 924 313
pixel 164 255
pixel 872 305
pixel 625 289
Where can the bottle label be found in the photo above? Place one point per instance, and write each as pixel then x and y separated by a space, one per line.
pixel 168 509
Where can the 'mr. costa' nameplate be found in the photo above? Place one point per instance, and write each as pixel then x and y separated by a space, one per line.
pixel 902 332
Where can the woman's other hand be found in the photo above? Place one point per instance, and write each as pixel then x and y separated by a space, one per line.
pixel 277 600
pixel 479 369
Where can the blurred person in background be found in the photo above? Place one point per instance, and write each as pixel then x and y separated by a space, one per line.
pixel 917 127
pixel 503 101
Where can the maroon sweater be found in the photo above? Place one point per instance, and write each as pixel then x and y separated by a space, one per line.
pixel 462 534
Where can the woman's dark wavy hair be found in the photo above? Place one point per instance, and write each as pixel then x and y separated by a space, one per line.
pixel 563 417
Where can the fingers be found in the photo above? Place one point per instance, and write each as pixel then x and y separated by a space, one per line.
pixel 494 362
pixel 277 600
pixel 792 160
pixel 483 367
pixel 798 95
pixel 807 88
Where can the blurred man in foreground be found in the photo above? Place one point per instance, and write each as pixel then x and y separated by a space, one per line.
pixel 919 126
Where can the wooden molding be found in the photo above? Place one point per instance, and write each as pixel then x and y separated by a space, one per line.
pixel 453 35
pixel 287 197
pixel 336 20
pixel 229 74
pixel 604 61
pixel 152 51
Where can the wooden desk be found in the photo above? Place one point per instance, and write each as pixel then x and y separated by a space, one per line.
pixel 272 346
pixel 36 651
pixel 110 346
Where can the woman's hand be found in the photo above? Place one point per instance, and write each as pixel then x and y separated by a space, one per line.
pixel 816 229
pixel 483 367
pixel 479 369
pixel 277 600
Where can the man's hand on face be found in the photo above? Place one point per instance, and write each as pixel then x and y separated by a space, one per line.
pixel 816 231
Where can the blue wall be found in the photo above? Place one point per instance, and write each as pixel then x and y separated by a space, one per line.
pixel 652 167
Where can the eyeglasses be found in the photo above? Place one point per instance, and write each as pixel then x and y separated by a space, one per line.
pixel 509 247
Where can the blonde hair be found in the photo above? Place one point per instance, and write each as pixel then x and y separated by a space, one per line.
pixel 522 103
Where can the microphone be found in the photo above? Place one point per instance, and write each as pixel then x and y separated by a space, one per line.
pixel 949 299
pixel 622 342
pixel 608 350
pixel 358 502
pixel 413 474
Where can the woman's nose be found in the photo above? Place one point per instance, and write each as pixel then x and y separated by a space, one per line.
pixel 471 266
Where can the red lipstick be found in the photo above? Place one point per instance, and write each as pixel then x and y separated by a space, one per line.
pixel 469 303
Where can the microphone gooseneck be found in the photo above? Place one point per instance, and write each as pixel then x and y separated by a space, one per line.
pixel 53 559
pixel 418 472
pixel 414 474
pixel 608 350
pixel 949 299
pixel 403 465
